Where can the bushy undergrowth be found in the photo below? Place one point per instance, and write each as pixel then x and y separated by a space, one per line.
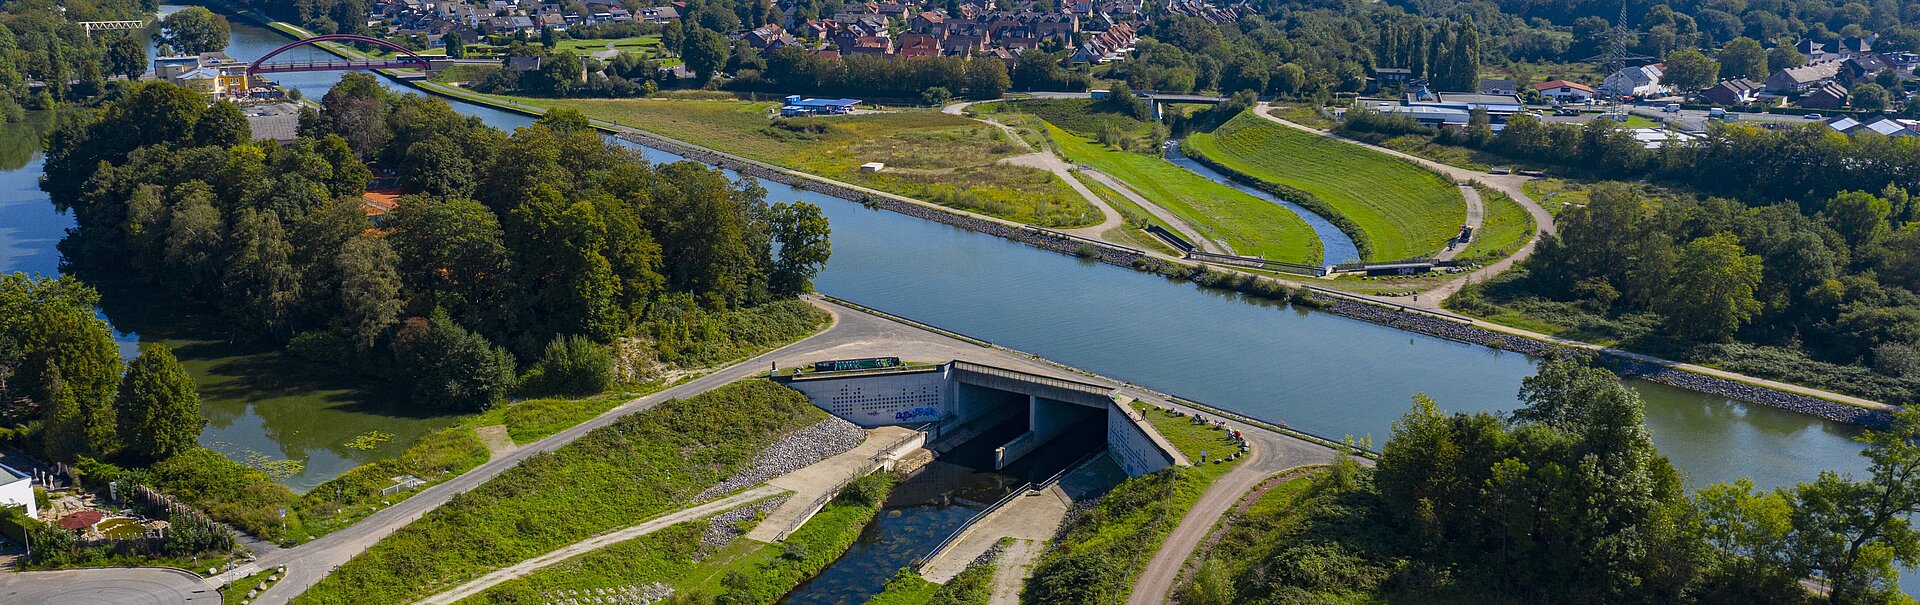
pixel 356 493
pixel 657 557
pixel 809 550
pixel 228 491
pixel 1101 551
pixel 688 336
pixel 640 466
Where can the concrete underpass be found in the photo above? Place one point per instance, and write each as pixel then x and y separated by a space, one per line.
pixel 1017 413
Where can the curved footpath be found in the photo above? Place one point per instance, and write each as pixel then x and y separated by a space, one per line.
pixel 1268 453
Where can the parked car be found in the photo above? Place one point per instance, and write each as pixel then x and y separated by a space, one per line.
pixel 1671 108
pixel 1716 113
pixel 1566 111
pixel 1499 171
pixel 1812 116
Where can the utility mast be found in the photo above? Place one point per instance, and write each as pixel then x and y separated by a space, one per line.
pixel 1618 46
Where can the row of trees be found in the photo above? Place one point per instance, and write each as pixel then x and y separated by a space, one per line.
pixel 1837 284
pixel 504 244
pixel 1568 501
pixel 41 41
pixel 61 373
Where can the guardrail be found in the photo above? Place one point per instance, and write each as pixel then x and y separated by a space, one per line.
pixel 1254 261
pixel 920 563
pixel 1084 240
pixel 1172 239
pixel 874 463
pixel 1062 383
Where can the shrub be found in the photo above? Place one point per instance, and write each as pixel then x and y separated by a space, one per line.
pixel 452 368
pixel 228 491
pixel 571 365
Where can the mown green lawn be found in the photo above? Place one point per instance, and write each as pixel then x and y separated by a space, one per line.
pixel 1401 210
pixel 1252 226
pixel 945 159
pixel 1503 229
pixel 640 466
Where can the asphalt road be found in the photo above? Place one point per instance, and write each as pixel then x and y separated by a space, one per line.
pixel 119 586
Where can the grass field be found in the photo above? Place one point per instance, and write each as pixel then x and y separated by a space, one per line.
pixel 640 466
pixel 1250 225
pixel 1503 229
pixel 1401 210
pixel 1134 232
pixel 642 45
pixel 1303 114
pixel 945 159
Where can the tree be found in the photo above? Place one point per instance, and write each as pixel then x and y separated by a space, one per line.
pixel 986 78
pixel 194 30
pixel 369 288
pixel 935 96
pixel 566 120
pixel 437 166
pixel 1784 56
pixel 355 109
pixel 1854 531
pixel 222 125
pixel 1712 291
pixel 1743 58
pixel 126 56
pixel 1859 216
pixel 452 255
pixel 260 283
pixel 57 348
pixel 572 365
pixel 195 238
pixel 64 426
pixel 456 47
pixel 159 413
pixel 802 232
pixel 705 54
pixel 1687 69
pixel 451 368
pixel 1288 79
pixel 1871 97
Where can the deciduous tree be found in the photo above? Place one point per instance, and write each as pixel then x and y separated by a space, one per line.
pixel 1712 294
pixel 159 407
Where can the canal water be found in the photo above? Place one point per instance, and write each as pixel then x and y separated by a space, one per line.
pixel 1320 372
pixel 1335 245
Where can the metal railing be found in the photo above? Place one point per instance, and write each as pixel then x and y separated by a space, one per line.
pixel 1060 383
pixel 919 564
pixel 1257 262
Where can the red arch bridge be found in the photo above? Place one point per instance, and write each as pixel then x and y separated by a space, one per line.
pixel 402 59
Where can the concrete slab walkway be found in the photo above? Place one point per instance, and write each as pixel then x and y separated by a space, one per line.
pixel 1034 515
pixel 820 479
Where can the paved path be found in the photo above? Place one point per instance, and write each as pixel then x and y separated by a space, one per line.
pixel 1046 159
pixel 1186 230
pixel 819 480
pixel 108 586
pixel 1011 570
pixel 1269 453
pixel 655 524
pixel 309 562
pixel 1476 215
pixel 1033 515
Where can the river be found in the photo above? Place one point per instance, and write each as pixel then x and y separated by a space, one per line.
pixel 1317 371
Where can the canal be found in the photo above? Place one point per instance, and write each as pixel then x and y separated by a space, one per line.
pixel 1317 371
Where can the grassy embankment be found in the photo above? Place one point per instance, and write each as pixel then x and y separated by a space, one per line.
pixel 974 586
pixel 1250 225
pixel 744 571
pixel 1392 208
pixel 944 159
pixel 641 466
pixel 1504 228
pixel 1100 553
pixel 314 406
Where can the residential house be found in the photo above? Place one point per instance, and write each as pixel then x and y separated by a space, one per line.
pixel 1107 46
pixel 915 45
pixel 1392 77
pixel 1736 91
pixel 769 37
pixel 1562 91
pixel 1829 95
pixel 16 491
pixel 1796 80
pixel 1499 87
pixel 1863 67
pixel 660 14
pixel 1642 81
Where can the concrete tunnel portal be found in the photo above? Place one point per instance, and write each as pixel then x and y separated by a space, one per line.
pixel 960 401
